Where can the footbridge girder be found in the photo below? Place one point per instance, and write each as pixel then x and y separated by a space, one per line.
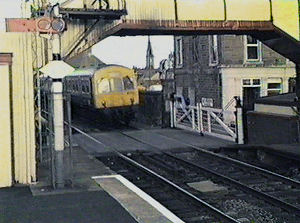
pixel 274 22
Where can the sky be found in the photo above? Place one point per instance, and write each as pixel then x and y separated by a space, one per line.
pixel 9 9
pixel 131 51
pixel 127 51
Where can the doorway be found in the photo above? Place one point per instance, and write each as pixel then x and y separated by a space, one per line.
pixel 250 94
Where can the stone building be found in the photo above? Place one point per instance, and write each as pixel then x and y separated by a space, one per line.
pixel 213 69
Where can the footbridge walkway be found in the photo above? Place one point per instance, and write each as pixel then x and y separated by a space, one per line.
pixel 274 22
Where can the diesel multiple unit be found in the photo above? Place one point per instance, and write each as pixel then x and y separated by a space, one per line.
pixel 108 87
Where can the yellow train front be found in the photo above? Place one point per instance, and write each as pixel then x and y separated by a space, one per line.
pixel 109 87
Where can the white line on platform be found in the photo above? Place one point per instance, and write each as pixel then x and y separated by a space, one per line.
pixel 163 210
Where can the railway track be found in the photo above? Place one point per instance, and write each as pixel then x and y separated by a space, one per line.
pixel 279 190
pixel 181 202
pixel 283 164
pixel 242 192
pixel 247 204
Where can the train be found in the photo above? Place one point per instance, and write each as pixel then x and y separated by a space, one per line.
pixel 108 87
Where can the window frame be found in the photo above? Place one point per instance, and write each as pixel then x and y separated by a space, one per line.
pixel 259 50
pixel 278 81
pixel 131 81
pixel 179 51
pixel 213 48
pixel 251 82
pixel 109 87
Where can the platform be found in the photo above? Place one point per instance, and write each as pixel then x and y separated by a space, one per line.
pixel 19 206
pixel 97 195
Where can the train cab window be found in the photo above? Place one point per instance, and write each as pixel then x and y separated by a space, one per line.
pixel 103 86
pixel 128 83
pixel 116 84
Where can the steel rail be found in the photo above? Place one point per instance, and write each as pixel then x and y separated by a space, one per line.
pixel 242 186
pixel 268 198
pixel 264 171
pixel 215 210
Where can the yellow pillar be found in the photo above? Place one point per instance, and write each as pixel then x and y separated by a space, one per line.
pixel 5 130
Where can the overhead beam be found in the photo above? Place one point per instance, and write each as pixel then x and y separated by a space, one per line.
pixel 92 13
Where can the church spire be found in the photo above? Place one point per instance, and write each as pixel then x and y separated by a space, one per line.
pixel 149 56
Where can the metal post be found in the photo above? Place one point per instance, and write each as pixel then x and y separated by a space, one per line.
pixel 171 114
pixel 58 114
pixel 58 123
pixel 298 94
pixel 239 121
pixel 174 114
pixel 298 84
pixel 200 118
pixel 208 122
pixel 70 137
pixel 51 138
pixel 193 118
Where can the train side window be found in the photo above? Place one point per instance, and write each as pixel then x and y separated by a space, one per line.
pixel 88 90
pixel 116 84
pixel 128 83
pixel 68 85
pixel 103 86
pixel 73 86
pixel 83 87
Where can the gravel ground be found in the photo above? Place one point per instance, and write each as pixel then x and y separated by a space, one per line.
pixel 250 213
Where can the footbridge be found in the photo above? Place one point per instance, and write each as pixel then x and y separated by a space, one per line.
pixel 274 22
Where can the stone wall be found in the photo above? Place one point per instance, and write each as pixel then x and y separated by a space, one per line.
pixel 150 111
pixel 196 79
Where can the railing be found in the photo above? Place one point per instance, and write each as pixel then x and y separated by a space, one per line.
pixel 48 153
pixel 204 120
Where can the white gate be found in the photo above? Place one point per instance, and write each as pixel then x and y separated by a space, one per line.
pixel 204 120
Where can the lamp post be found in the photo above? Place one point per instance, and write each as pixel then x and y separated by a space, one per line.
pixel 57 69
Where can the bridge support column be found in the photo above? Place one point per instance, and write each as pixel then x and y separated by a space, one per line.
pixel 298 83
pixel 239 121
pixel 298 93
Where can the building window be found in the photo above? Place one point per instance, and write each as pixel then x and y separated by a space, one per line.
pixel 179 51
pixel 274 87
pixel 246 82
pixel 252 49
pixel 256 82
pixel 251 82
pixel 213 50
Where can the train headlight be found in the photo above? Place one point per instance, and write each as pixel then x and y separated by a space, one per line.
pixel 104 104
